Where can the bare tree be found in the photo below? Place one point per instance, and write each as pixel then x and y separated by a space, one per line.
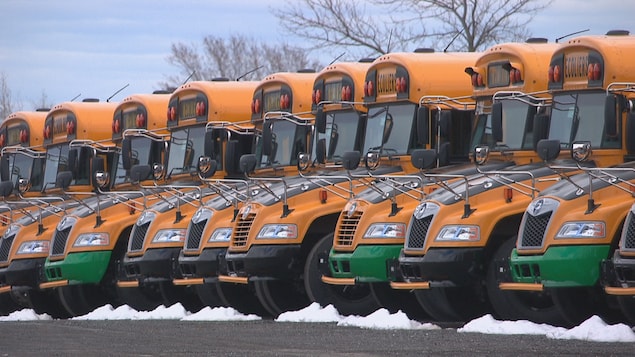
pixel 237 57
pixel 465 25
pixel 42 102
pixel 6 98
pixel 352 26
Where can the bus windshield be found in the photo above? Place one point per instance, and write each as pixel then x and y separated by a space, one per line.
pixel 22 166
pixel 186 145
pixel 56 162
pixel 142 154
pixel 288 139
pixel 517 127
pixel 341 133
pixel 388 128
pixel 578 116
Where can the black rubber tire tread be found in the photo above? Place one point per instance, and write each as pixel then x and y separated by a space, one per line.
pixel 518 305
pixel 395 300
pixel 278 296
pixel 81 299
pixel 348 300
pixel 242 298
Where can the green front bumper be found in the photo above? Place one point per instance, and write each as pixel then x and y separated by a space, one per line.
pixel 367 264
pixel 560 266
pixel 79 268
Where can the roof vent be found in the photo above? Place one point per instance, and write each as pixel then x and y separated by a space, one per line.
pixel 43 109
pixel 618 33
pixel 424 50
pixel 366 60
pixel 306 70
pixel 220 79
pixel 537 40
pixel 90 100
pixel 163 91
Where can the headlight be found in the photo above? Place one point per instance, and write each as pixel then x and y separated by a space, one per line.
pixel 286 231
pixel 169 235
pixel 146 217
pixel 34 247
pixel 12 230
pixel 582 230
pixel 92 239
pixel 386 230
pixel 220 235
pixel 459 233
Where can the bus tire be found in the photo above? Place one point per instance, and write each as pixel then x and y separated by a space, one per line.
pixel 185 295
pixel 278 296
pixel 242 298
pixel 81 299
pixel 42 302
pixel 210 295
pixel 398 300
pixel 450 304
pixel 142 298
pixel 627 306
pixel 8 305
pixel 518 305
pixel 348 300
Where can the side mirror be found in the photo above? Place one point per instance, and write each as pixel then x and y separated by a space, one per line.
pixel 350 160
pixel 4 168
pixel 320 120
pixel 97 165
pixel 158 172
pixel 206 166
pixel 64 179
pixel 231 157
pixel 140 173
pixel 267 139
pixel 497 121
pixel 209 144
pixel 371 160
pixel 444 154
pixel 581 151
pixel 387 129
pixel 610 115
pixel 541 128
pixel 247 163
pixel 630 132
pixel 445 123
pixel 126 153
pixel 548 150
pixel 481 154
pixel 423 125
pixel 423 158
pixel 72 161
pixel 24 185
pixel 304 160
pixel 320 151
pixel 6 188
pixel 102 179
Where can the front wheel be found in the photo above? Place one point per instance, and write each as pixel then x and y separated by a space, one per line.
pixel 517 305
pixel 395 300
pixel 81 299
pixel 347 299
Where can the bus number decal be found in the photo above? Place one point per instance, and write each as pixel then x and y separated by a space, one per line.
pixel 386 82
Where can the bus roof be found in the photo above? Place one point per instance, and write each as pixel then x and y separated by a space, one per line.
pixel 31 122
pixel 151 107
pixel 79 120
pixel 356 71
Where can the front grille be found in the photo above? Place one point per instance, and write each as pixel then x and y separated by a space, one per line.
pixel 418 231
pixel 629 235
pixel 241 230
pixel 138 236
pixel 59 241
pixel 534 230
pixel 193 239
pixel 347 227
pixel 5 247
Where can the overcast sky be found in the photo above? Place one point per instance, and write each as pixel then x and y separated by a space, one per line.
pixel 92 48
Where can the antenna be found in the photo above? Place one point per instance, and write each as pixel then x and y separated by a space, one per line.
pixel 336 58
pixel 188 78
pixel 75 97
pixel 389 41
pixel 571 34
pixel 114 94
pixel 246 73
pixel 451 42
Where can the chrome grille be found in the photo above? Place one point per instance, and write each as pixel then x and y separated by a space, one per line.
pixel 418 231
pixel 534 230
pixel 347 227
pixel 137 237
pixel 629 235
pixel 59 241
pixel 241 230
pixel 5 247
pixel 193 239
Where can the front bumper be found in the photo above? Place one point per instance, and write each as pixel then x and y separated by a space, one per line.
pixel 444 267
pixel 153 264
pixel 560 266
pixel 366 264
pixel 209 264
pixel 79 268
pixel 23 272
pixel 269 261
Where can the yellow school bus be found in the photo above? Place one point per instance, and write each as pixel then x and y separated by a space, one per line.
pixel 275 246
pixel 567 231
pixel 156 237
pixel 30 235
pixel 371 229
